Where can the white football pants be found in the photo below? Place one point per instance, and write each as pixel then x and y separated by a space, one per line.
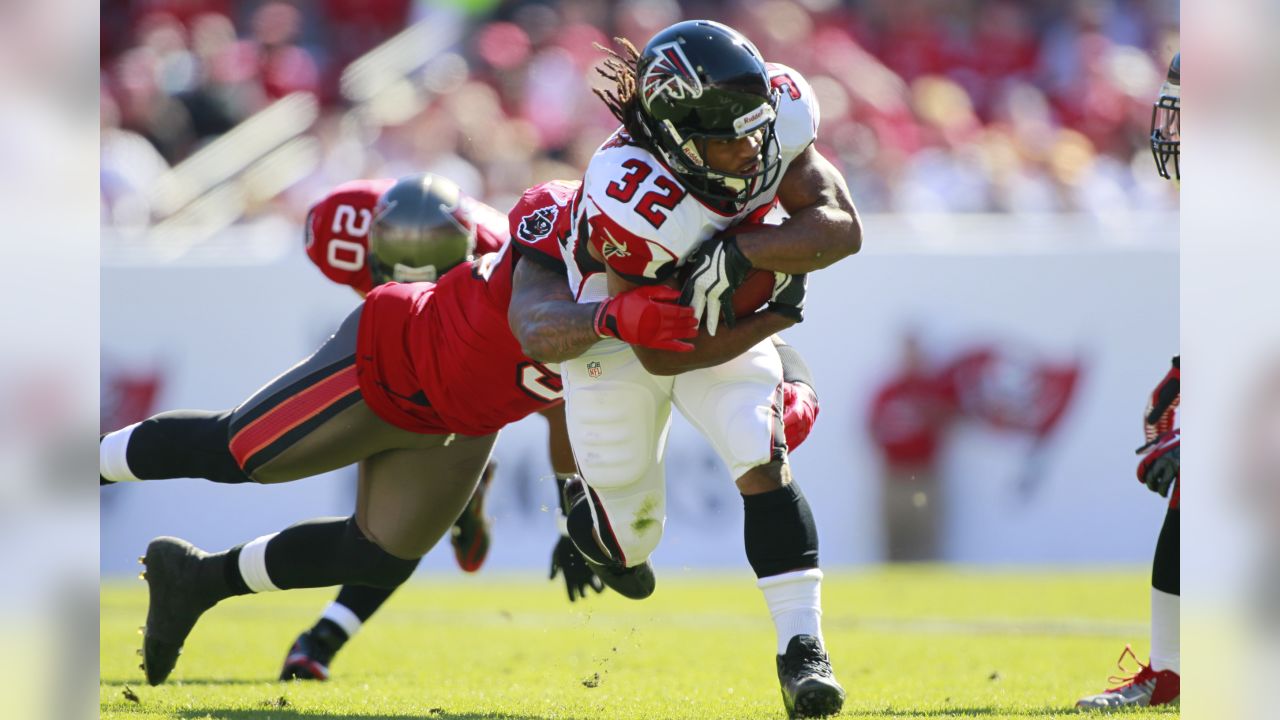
pixel 619 415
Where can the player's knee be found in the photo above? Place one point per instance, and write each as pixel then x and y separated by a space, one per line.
pixel 374 565
pixel 764 478
pixel 628 535
pixel 752 437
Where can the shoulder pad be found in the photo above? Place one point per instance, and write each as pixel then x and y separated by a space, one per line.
pixel 798 113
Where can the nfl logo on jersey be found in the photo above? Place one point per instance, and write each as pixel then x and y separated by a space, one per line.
pixel 593 369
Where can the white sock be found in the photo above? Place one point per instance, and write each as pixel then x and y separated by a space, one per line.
pixel 342 616
pixel 253 565
pixel 112 463
pixel 1165 650
pixel 795 603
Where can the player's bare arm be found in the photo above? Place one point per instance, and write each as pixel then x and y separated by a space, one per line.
pixel 544 318
pixel 823 227
pixel 551 327
pixel 708 350
pixel 711 350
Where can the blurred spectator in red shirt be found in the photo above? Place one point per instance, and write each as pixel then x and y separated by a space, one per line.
pixel 909 415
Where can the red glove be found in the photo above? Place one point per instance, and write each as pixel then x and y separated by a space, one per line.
pixel 647 316
pixel 1162 462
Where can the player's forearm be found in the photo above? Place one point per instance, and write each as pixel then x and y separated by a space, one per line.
pixel 811 239
pixel 712 350
pixel 555 330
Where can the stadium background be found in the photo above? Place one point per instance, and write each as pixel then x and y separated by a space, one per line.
pixel 996 149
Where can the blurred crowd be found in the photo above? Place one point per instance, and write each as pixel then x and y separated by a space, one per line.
pixel 927 105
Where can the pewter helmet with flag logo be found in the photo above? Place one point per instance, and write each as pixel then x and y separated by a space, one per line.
pixel 700 80
pixel 420 230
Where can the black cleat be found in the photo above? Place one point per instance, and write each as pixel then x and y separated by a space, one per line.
pixel 636 582
pixel 809 687
pixel 312 653
pixel 599 549
pixel 176 602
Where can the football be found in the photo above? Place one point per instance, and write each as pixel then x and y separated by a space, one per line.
pixel 756 288
pixel 753 293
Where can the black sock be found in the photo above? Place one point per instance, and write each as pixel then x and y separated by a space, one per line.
pixel 1164 569
pixel 332 551
pixel 229 562
pixel 184 443
pixel 779 532
pixel 363 600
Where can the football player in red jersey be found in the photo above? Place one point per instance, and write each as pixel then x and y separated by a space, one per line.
pixel 1159 681
pixel 711 137
pixel 415 383
pixel 427 226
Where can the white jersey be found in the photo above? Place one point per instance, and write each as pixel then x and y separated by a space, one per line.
pixel 644 223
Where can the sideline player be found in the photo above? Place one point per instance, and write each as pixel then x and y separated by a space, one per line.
pixel 422 376
pixel 1159 682
pixel 422 233
pixel 712 137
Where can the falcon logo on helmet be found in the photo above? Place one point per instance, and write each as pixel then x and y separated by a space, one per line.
pixel 672 74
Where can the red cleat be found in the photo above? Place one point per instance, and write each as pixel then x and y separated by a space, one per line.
pixel 470 533
pixel 1145 688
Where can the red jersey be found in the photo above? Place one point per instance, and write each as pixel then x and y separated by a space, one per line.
pixel 908 416
pixel 441 358
pixel 337 230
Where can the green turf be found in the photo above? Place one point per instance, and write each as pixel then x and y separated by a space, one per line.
pixel 906 643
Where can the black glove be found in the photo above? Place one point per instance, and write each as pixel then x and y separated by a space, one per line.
pixel 788 295
pixel 566 559
pixel 719 267
pixel 1161 463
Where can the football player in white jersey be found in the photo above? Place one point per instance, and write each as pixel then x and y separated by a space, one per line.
pixel 712 138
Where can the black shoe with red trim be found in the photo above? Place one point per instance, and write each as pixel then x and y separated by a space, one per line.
pixel 313 652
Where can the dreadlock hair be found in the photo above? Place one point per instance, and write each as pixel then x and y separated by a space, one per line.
pixel 624 99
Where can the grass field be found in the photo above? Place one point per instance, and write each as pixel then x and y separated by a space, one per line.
pixel 905 643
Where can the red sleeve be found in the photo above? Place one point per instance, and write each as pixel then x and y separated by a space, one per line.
pixel 541 221
pixel 489 224
pixel 637 259
pixel 337 232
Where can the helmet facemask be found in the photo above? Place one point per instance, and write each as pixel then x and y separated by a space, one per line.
pixel 685 153
pixel 1166 131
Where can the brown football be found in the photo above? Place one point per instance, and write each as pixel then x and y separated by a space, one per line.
pixel 753 293
pixel 757 287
